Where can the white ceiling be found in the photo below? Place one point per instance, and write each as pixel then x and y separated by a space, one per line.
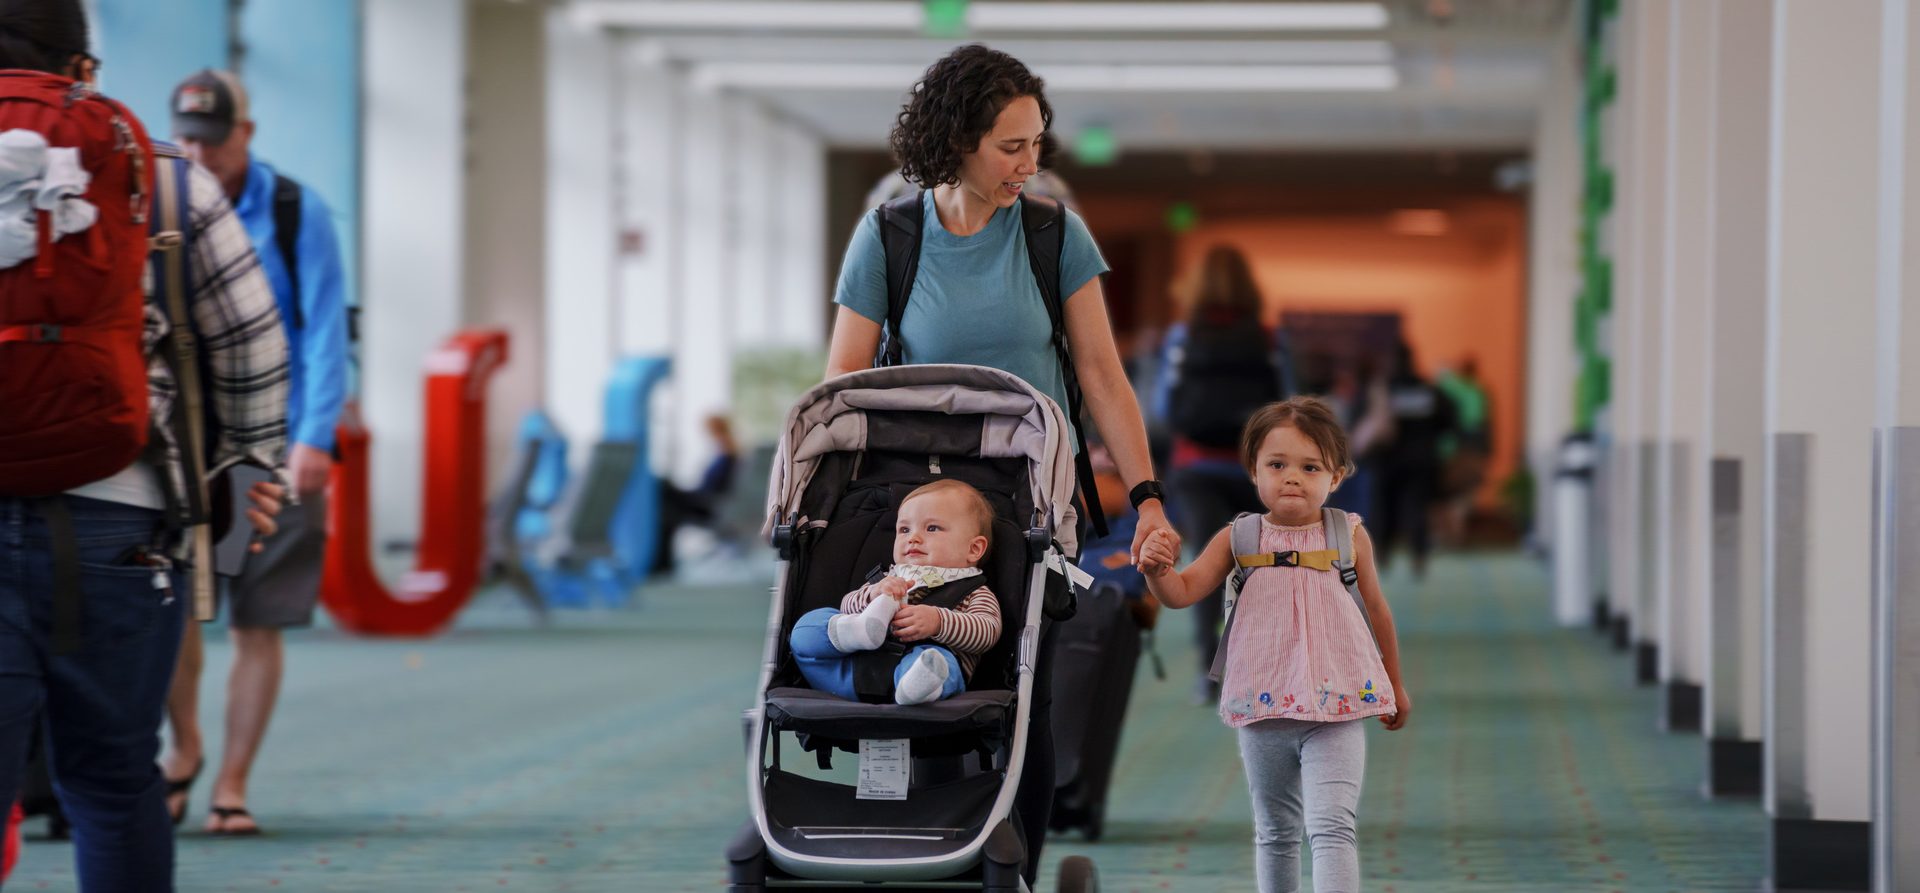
pixel 1466 74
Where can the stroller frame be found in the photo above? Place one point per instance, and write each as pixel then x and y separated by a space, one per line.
pixel 985 851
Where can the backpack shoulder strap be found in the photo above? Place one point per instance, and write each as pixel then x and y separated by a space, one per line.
pixel 1044 222
pixel 899 222
pixel 1245 539
pixel 286 237
pixel 1340 539
pixel 171 247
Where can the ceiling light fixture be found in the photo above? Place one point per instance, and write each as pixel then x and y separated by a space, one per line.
pixel 1065 78
pixel 898 16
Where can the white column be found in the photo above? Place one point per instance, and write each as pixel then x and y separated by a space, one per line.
pixel 1679 518
pixel 1554 269
pixel 1742 54
pixel 702 361
pixel 581 332
pixel 749 228
pixel 649 203
pixel 414 70
pixel 1619 473
pixel 1824 201
pixel 799 303
pixel 1636 337
pixel 1896 621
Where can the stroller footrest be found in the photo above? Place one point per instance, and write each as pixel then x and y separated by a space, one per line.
pixel 810 712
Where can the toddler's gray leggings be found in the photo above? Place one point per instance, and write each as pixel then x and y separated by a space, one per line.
pixel 1321 763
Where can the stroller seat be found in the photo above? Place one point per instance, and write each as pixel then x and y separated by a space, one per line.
pixel 971 713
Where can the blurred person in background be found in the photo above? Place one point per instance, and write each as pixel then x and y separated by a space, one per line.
pixel 1467 449
pixel 1220 366
pixel 292 234
pixel 1409 480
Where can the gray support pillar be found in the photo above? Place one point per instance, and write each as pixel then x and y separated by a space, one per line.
pixel 1644 33
pixel 1742 50
pixel 1896 515
pixel 1685 344
pixel 1896 659
pixel 1825 195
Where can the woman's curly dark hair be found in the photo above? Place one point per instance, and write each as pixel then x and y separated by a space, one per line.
pixel 954 106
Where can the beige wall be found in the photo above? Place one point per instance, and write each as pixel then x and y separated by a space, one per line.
pixel 506 206
pixel 1459 295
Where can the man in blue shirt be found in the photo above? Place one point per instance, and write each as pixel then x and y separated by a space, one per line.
pixel 293 235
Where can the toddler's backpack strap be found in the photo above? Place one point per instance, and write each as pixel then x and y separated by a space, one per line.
pixel 1245 540
pixel 1340 539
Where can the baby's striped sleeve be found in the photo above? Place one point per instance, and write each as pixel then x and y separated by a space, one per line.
pixel 974 626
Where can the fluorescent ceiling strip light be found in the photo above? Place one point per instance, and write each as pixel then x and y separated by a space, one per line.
pixel 1067 78
pixel 1071 51
pixel 904 15
pixel 1176 16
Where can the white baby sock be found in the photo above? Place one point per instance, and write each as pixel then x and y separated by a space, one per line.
pixel 864 631
pixel 923 682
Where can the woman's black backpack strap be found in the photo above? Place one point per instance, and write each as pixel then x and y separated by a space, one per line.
pixel 899 223
pixel 1045 222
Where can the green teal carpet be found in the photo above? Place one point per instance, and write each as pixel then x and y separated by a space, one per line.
pixel 603 753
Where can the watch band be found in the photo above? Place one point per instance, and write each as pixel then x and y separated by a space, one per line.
pixel 1144 491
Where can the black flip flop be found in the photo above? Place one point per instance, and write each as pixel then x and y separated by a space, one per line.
pixel 223 813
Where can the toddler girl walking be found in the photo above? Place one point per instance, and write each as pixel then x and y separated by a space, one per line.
pixel 1308 648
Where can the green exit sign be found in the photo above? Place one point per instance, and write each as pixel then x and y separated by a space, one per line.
pixel 1096 147
pixel 1182 217
pixel 946 18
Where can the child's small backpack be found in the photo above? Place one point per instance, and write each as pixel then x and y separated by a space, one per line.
pixel 1248 558
pixel 73 370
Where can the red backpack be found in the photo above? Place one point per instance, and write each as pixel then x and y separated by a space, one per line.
pixel 73 372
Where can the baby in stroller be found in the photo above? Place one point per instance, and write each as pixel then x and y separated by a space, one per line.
pixel 913 633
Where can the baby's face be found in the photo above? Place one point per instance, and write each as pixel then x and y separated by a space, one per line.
pixel 935 529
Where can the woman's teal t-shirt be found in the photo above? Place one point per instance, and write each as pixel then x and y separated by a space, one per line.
pixel 974 299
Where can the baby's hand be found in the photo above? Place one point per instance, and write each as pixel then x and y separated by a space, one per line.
pixel 1158 554
pixel 915 622
pixel 897 587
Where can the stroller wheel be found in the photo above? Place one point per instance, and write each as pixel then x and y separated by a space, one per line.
pixel 1077 876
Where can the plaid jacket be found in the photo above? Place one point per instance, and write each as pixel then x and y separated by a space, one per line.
pixel 243 346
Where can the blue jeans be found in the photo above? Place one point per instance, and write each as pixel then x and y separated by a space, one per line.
pixel 828 669
pixel 102 702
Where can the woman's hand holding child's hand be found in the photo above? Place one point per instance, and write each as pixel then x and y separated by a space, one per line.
pixel 1403 705
pixel 1159 553
pixel 915 622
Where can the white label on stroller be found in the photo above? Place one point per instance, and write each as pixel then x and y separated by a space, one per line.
pixel 885 765
pixel 1079 578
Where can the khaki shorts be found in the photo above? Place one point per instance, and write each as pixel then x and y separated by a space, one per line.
pixel 279 587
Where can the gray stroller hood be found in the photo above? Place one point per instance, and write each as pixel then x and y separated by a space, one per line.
pixel 1019 422
pixel 814 829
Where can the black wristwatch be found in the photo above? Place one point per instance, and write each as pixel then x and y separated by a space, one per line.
pixel 1144 491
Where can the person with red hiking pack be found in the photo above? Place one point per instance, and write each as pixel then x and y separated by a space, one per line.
pixel 292 233
pixel 122 402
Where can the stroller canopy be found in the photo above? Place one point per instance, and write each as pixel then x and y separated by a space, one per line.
pixel 1018 421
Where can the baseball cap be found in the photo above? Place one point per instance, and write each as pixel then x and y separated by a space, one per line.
pixel 206 106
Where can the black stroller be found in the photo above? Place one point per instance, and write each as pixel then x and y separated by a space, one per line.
pixel 852 448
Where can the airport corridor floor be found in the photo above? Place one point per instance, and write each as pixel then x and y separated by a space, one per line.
pixel 602 753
